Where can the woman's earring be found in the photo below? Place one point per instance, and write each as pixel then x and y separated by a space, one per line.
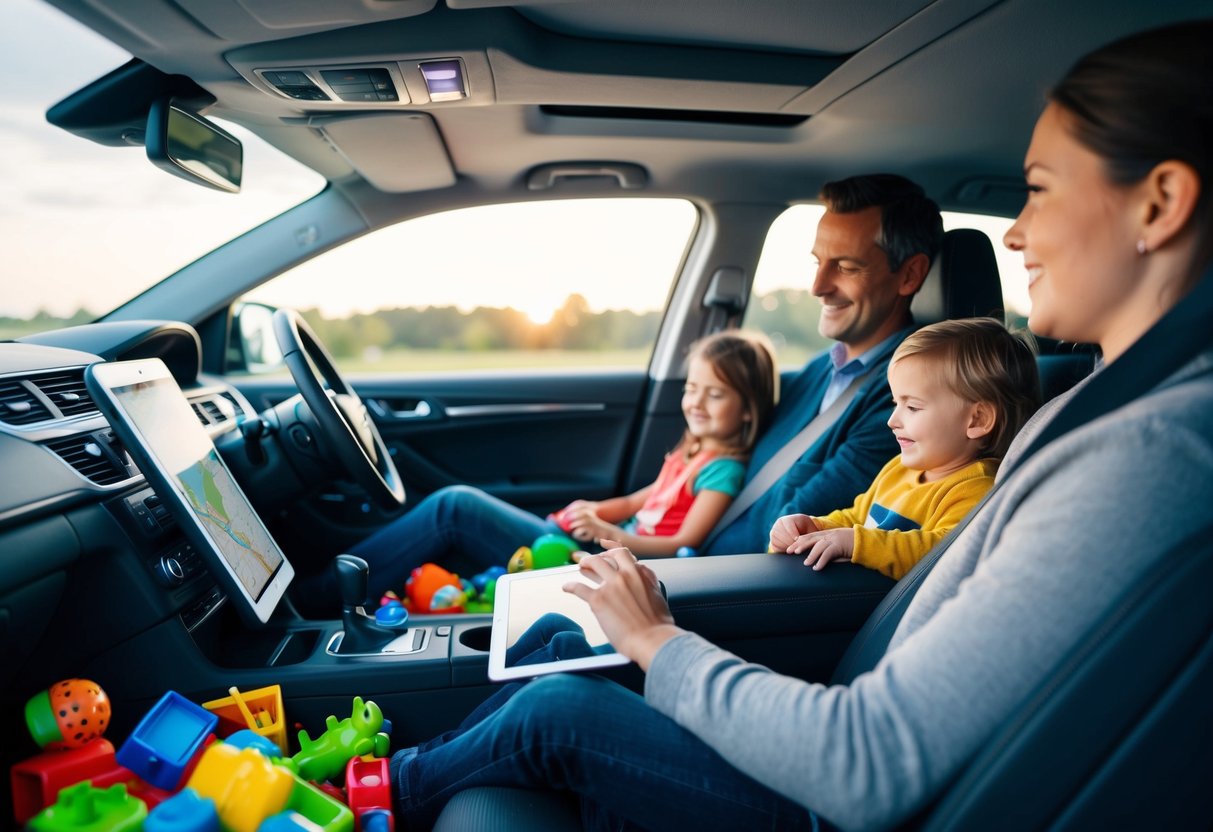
pixel 1141 246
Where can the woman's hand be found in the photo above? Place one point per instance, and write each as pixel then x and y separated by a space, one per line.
pixel 824 546
pixel 788 529
pixel 627 603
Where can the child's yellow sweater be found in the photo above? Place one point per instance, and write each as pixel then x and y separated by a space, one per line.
pixel 899 518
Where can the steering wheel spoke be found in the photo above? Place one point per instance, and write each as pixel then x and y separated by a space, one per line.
pixel 342 416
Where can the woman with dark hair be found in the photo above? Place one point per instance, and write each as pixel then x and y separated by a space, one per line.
pixel 1095 496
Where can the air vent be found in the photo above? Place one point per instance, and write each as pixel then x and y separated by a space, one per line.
pixel 91 455
pixel 20 404
pixel 213 410
pixel 66 392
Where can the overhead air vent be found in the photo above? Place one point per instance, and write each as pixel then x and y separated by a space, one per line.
pixel 66 392
pixel 93 455
pixel 20 403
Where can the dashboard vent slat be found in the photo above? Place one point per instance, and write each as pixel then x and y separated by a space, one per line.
pixel 87 455
pixel 67 392
pixel 19 405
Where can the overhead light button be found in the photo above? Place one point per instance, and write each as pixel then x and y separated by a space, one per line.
pixel 444 80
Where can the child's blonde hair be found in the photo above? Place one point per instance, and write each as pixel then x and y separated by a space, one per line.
pixel 980 361
pixel 745 361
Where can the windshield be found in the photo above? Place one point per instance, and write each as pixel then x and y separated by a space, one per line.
pixel 84 227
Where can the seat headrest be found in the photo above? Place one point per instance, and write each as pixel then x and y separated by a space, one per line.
pixel 963 281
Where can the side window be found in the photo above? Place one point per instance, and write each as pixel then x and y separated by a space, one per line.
pixel 782 306
pixel 527 285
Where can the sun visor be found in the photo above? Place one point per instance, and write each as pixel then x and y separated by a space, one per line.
pixel 395 152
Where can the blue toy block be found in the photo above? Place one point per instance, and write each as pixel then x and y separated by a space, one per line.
pixel 288 822
pixel 248 738
pixel 185 811
pixel 166 739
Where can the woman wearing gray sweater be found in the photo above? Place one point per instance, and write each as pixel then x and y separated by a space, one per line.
pixel 1115 237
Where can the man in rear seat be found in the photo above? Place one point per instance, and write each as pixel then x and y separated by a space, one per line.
pixel 874 248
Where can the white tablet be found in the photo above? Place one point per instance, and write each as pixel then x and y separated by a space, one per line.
pixel 151 416
pixel 568 638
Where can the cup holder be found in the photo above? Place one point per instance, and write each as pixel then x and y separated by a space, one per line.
pixel 477 638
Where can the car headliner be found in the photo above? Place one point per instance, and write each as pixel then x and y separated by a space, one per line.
pixel 945 92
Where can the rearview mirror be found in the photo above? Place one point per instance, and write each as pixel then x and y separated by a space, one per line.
pixel 192 147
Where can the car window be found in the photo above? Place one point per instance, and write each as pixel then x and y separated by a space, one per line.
pixel 570 283
pixel 87 227
pixel 782 305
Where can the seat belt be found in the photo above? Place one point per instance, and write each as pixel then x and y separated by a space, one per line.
pixel 795 447
pixel 1181 335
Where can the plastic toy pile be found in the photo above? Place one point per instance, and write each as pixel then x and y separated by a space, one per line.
pixel 223 765
pixel 431 589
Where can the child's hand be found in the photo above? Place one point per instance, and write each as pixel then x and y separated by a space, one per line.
pixel 825 546
pixel 587 527
pixel 788 528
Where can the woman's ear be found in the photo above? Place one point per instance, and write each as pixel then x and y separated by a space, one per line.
pixel 981 420
pixel 1172 189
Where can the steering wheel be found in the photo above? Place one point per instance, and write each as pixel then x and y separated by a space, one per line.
pixel 342 416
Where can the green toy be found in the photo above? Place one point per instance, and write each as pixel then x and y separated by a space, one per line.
pixel 327 755
pixel 547 550
pixel 81 808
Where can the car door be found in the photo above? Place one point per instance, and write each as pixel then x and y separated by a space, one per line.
pixel 505 347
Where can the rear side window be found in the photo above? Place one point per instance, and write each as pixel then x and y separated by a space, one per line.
pixel 782 305
pixel 570 283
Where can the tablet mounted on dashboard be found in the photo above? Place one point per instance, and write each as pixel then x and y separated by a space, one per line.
pixel 151 416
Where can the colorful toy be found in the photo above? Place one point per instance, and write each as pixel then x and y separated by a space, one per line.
pixel 368 786
pixel 82 808
pixel 37 781
pixel 562 519
pixel 423 582
pixel 685 552
pixel 186 811
pixel 288 822
pixel 259 711
pixel 392 614
pixel 447 599
pixel 547 550
pixel 358 734
pixel 165 741
pixel 68 714
pixel 245 786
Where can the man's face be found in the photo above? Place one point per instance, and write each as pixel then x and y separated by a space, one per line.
pixel 863 302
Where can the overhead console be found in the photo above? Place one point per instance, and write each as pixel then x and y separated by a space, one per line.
pixel 431 80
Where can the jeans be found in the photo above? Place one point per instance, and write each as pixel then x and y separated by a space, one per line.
pixel 631 766
pixel 454 521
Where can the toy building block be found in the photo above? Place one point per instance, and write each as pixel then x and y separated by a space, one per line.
pixel 288 822
pixel 68 714
pixel 368 785
pixel 258 710
pixel 165 741
pixel 245 787
pixel 246 738
pixel 376 820
pixel 82 808
pixel 36 781
pixel 186 811
pixel 357 734
pixel 325 812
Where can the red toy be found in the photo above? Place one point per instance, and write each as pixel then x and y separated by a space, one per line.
pixel 368 785
pixel 428 579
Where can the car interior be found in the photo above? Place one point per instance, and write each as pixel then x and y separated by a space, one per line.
pixel 415 108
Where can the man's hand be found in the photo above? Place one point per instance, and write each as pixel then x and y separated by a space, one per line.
pixel 825 546
pixel 627 603
pixel 788 529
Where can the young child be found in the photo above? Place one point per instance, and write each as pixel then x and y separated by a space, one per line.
pixel 731 388
pixel 961 391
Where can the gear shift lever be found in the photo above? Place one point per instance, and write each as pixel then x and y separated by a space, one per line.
pixel 362 633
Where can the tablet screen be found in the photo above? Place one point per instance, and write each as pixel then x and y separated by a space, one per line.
pixel 155 422
pixel 539 628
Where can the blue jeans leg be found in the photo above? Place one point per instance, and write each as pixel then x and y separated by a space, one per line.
pixel 588 735
pixel 454 520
